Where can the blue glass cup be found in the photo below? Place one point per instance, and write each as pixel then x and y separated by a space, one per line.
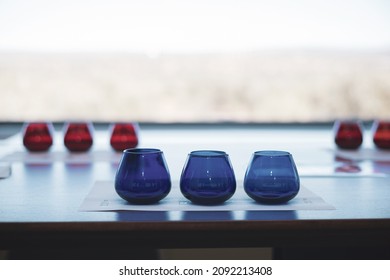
pixel 271 177
pixel 142 176
pixel 208 177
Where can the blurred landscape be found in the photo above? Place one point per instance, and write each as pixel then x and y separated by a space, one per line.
pixel 258 86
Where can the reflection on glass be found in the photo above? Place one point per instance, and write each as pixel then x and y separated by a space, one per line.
pixel 124 136
pixel 381 134
pixel 207 216
pixel 271 177
pixel 381 167
pixel 142 216
pixel 208 177
pixel 348 134
pixel 348 168
pixel 78 136
pixel 142 176
pixel 270 215
pixel 38 137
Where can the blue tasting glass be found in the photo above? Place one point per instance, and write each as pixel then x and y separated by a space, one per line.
pixel 208 177
pixel 271 177
pixel 142 176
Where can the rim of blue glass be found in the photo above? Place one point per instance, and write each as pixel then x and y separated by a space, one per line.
pixel 141 151
pixel 272 153
pixel 208 153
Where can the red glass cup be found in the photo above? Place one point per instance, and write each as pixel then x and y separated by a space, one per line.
pixel 38 136
pixel 381 134
pixel 348 134
pixel 124 136
pixel 78 136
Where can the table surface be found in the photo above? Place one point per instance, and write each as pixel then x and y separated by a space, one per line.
pixel 39 202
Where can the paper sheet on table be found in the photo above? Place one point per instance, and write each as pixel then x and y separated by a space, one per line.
pixel 63 156
pixel 5 170
pixel 103 197
pixel 342 169
pixel 364 154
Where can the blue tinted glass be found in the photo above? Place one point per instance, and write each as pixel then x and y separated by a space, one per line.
pixel 142 176
pixel 271 177
pixel 208 177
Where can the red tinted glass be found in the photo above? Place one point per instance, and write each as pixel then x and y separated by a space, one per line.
pixel 78 137
pixel 37 137
pixel 124 136
pixel 381 131
pixel 348 134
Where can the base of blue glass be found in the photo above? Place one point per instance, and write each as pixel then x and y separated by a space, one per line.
pixel 208 200
pixel 142 200
pixel 272 200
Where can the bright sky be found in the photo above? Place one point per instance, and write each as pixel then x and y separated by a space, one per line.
pixel 154 26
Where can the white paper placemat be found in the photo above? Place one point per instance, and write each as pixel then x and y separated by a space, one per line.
pixel 5 170
pixel 363 154
pixel 342 169
pixel 103 197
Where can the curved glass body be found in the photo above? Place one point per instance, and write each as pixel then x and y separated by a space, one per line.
pixel 348 134
pixel 142 176
pixel 271 177
pixel 78 136
pixel 381 134
pixel 124 136
pixel 208 177
pixel 38 137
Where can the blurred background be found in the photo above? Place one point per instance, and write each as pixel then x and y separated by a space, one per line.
pixel 194 61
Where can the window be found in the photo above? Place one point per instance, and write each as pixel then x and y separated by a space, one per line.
pixel 194 61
